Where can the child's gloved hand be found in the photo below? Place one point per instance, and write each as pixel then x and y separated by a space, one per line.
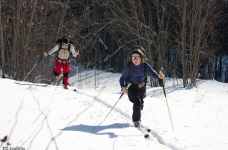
pixel 161 75
pixel 45 53
pixel 124 90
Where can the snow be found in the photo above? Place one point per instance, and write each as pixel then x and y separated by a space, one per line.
pixel 48 117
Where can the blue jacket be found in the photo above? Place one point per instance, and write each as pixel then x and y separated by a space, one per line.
pixel 137 74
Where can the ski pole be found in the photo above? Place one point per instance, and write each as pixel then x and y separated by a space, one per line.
pixel 33 67
pixel 166 100
pixel 128 85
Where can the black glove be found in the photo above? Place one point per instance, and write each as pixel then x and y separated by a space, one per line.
pixel 160 81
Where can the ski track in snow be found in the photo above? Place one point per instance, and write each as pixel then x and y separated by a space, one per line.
pixel 156 138
pixel 154 134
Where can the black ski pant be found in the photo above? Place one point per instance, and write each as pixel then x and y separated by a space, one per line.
pixel 136 96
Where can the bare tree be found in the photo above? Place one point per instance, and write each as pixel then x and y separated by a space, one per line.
pixel 180 35
pixel 147 22
pixel 192 18
pixel 2 43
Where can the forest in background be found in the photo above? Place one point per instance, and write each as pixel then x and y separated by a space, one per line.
pixel 188 38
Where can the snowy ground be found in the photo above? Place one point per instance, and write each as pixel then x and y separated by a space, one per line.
pixel 48 117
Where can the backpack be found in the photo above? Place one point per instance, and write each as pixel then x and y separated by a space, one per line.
pixel 131 67
pixel 63 53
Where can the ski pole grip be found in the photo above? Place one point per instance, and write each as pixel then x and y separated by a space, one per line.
pixel 160 71
pixel 128 85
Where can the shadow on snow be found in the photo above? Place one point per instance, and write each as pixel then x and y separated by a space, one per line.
pixel 98 129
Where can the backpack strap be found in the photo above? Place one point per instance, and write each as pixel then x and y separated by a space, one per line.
pixel 131 68
pixel 69 46
pixel 60 46
pixel 144 68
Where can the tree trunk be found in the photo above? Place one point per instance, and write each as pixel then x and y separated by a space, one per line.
pixel 25 50
pixel 2 44
pixel 183 40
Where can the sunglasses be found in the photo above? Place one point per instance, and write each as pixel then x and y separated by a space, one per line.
pixel 135 57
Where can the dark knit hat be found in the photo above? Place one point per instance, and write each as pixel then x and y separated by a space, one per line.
pixel 65 39
pixel 141 48
pixel 135 52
